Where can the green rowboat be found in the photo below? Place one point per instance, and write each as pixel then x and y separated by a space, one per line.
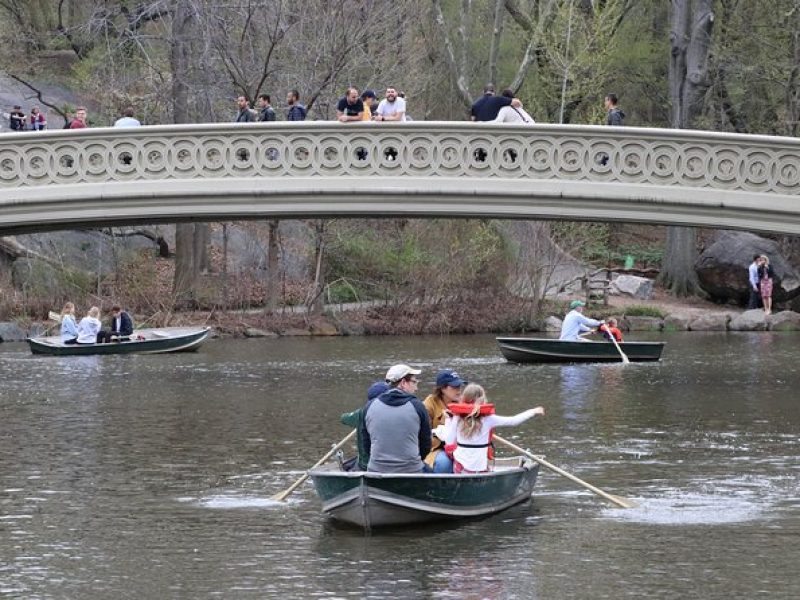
pixel 142 341
pixel 368 499
pixel 548 350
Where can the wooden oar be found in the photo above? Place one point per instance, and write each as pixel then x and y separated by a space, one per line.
pixel 282 496
pixel 623 502
pixel 625 359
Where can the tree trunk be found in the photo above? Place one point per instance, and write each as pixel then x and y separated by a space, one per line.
pixel 273 276
pixel 690 42
pixel 184 283
pixel 316 302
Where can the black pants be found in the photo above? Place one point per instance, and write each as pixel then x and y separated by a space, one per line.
pixel 110 336
pixel 755 300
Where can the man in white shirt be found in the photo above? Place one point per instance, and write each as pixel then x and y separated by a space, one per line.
pixel 391 108
pixel 513 114
pixel 576 323
pixel 127 119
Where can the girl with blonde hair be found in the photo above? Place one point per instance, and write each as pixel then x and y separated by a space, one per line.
pixel 467 434
pixel 89 327
pixel 69 329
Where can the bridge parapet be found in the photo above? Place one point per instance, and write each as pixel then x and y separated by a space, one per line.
pixel 649 157
pixel 103 177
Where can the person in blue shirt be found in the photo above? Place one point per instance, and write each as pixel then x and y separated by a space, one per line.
pixel 576 323
pixel 69 328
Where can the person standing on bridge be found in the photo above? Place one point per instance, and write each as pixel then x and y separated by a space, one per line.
pixel 488 106
pixel 17 119
pixel 513 114
pixel 265 110
pixel 245 115
pixel 127 119
pixel 614 115
pixel 79 122
pixel 350 107
pixel 38 122
pixel 391 108
pixel 297 111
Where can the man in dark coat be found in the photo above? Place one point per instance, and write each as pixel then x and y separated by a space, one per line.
pixel 121 326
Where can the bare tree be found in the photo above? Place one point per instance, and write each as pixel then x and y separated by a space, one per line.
pixel 690 42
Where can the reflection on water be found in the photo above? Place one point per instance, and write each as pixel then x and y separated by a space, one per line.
pixel 153 476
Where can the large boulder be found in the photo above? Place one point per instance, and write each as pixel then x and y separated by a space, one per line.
pixel 552 323
pixel 676 322
pixel 710 322
pixel 642 323
pixel 749 320
pixel 722 268
pixel 631 285
pixel 786 320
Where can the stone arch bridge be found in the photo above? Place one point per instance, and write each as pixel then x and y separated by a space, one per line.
pixel 102 177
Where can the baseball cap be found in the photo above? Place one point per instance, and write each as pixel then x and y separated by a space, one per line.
pixel 449 377
pixel 397 372
pixel 368 94
pixel 376 389
pixel 576 304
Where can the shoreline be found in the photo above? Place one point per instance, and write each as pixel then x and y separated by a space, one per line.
pixel 676 315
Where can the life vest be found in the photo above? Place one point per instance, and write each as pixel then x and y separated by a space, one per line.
pixel 463 409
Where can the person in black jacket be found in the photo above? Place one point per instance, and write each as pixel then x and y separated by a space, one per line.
pixel 121 327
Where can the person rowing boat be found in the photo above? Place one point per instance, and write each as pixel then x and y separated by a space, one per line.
pixel 576 323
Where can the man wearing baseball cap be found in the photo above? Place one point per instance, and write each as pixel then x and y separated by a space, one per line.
pixel 396 429
pixel 576 323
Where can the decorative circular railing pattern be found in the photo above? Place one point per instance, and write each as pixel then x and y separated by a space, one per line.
pixel 595 154
pixel 628 163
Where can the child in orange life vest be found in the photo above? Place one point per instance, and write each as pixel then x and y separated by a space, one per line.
pixel 467 434
pixel 610 328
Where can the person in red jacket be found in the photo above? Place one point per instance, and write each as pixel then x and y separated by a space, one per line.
pixel 610 328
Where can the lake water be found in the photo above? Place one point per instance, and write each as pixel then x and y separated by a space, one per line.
pixel 151 476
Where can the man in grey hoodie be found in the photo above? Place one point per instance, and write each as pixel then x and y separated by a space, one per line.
pixel 396 428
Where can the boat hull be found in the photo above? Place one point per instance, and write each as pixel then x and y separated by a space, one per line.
pixel 368 500
pixel 545 350
pixel 156 341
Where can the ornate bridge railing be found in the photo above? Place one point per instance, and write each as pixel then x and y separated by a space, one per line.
pixel 60 179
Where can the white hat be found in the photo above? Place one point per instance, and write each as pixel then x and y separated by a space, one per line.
pixel 397 372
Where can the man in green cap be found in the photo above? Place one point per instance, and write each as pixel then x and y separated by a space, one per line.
pixel 576 323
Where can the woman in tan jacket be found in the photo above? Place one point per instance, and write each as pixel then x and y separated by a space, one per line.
pixel 448 390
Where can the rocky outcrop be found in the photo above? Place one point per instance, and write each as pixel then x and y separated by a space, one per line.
pixel 552 323
pixel 710 322
pixel 633 286
pixel 642 323
pixel 676 323
pixel 254 332
pixel 722 268
pixel 749 320
pixel 784 321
